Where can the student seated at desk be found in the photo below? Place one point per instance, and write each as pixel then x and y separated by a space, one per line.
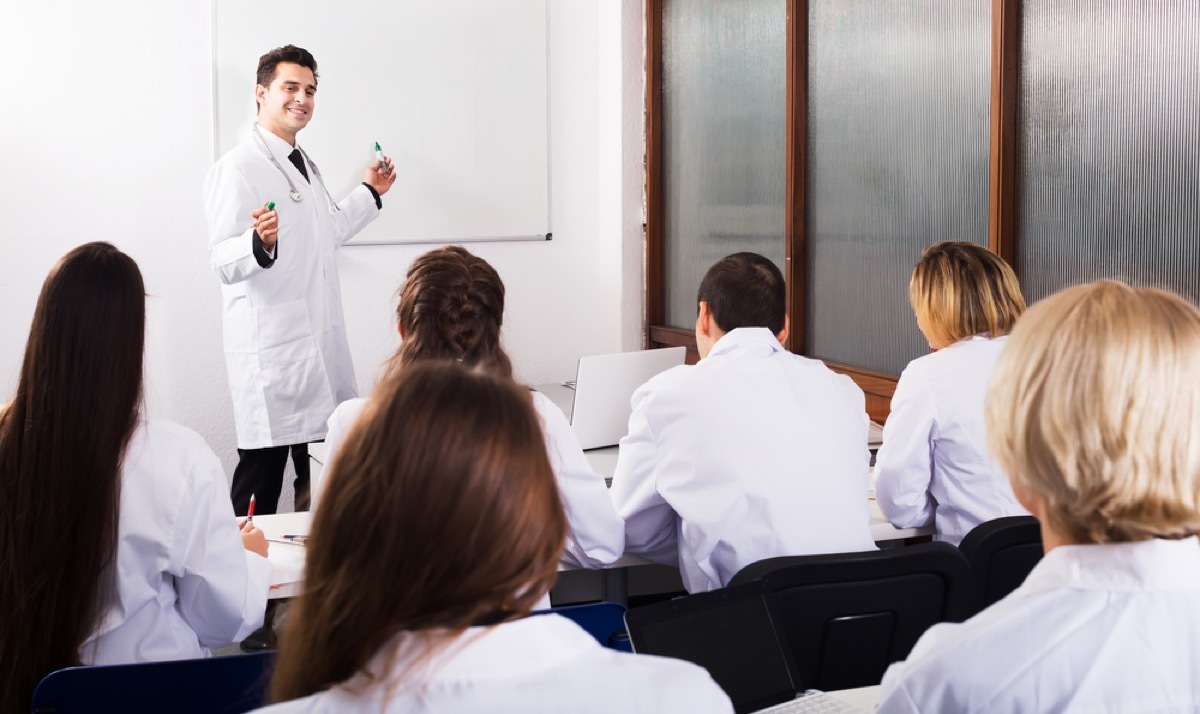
pixel 451 307
pixel 933 466
pixel 754 452
pixel 1093 411
pixel 441 527
pixel 118 541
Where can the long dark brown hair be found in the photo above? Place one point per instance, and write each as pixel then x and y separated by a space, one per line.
pixel 62 438
pixel 451 307
pixel 442 513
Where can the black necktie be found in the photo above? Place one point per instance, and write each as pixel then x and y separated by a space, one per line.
pixel 298 162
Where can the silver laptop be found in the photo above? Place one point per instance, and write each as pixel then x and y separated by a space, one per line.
pixel 603 387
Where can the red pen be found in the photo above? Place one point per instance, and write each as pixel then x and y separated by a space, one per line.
pixel 250 511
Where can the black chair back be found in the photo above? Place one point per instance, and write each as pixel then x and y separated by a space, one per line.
pixel 847 616
pixel 215 685
pixel 1001 553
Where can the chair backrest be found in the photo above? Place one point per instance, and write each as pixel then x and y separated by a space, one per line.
pixel 603 620
pixel 847 616
pixel 1001 553
pixel 214 685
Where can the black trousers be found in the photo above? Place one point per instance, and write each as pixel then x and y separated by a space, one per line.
pixel 260 472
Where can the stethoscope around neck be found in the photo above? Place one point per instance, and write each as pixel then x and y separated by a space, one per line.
pixel 293 191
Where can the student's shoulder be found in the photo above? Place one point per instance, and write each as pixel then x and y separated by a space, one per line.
pixel 167 434
pixel 664 684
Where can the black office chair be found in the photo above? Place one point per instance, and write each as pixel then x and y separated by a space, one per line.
pixel 1001 553
pixel 215 685
pixel 847 616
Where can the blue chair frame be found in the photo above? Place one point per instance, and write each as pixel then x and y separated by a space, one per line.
pixel 214 685
pixel 603 620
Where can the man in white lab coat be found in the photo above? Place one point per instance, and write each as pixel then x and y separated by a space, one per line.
pixel 273 230
pixel 754 452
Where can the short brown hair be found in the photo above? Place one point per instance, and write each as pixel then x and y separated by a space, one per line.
pixel 960 289
pixel 745 290
pixel 1094 405
pixel 442 513
pixel 288 53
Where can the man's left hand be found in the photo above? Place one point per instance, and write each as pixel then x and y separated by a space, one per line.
pixel 379 177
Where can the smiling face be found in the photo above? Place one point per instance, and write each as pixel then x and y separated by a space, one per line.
pixel 286 106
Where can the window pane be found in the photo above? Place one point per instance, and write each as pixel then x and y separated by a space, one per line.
pixel 1110 144
pixel 723 101
pixel 898 142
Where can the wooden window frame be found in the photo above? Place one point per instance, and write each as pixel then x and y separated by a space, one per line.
pixel 1002 180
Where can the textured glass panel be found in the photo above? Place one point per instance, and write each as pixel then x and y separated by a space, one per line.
pixel 723 97
pixel 1110 144
pixel 898 143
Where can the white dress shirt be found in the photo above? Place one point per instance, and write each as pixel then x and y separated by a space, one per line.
pixel 184 583
pixel 753 452
pixel 544 663
pixel 933 466
pixel 597 535
pixel 1094 628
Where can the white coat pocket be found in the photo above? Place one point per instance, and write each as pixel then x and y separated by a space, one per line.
pixel 291 368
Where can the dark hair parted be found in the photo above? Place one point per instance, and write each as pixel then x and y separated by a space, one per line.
pixel 452 307
pixel 62 439
pixel 745 290
pixel 442 512
pixel 288 53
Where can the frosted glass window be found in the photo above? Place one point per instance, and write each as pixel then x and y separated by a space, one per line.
pixel 1110 144
pixel 899 129
pixel 723 103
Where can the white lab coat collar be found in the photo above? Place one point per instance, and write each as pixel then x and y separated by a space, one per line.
pixel 508 651
pixel 1145 565
pixel 758 340
pixel 273 140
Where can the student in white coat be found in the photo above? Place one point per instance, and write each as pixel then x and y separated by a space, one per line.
pixel 441 528
pixel 284 334
pixel 118 542
pixel 754 452
pixel 1093 411
pixel 452 307
pixel 933 466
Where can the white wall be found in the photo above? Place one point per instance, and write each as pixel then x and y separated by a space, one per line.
pixel 106 134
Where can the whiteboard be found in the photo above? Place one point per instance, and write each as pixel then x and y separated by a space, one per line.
pixel 455 91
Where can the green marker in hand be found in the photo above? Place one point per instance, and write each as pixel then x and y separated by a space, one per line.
pixel 270 205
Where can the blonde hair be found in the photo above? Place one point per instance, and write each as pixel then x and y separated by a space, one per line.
pixel 1094 406
pixel 961 289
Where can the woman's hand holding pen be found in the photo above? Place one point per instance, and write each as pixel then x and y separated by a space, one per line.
pixel 253 539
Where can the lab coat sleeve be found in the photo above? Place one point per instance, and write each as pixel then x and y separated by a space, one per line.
pixel 228 201
pixel 338 425
pixel 904 464
pixel 222 587
pixel 357 210
pixel 597 535
pixel 650 522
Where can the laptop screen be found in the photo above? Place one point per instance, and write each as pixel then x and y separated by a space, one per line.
pixel 729 633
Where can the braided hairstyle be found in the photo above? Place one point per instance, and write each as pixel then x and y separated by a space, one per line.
pixel 451 307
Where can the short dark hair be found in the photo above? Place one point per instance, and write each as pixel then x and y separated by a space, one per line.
pixel 288 53
pixel 745 290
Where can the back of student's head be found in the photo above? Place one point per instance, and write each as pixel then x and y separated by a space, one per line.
pixel 745 290
pixel 960 289
pixel 62 438
pixel 442 513
pixel 1094 406
pixel 452 307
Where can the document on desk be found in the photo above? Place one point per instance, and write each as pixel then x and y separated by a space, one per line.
pixel 875 435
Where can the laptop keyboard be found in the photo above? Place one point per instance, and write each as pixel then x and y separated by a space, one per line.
pixel 813 702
